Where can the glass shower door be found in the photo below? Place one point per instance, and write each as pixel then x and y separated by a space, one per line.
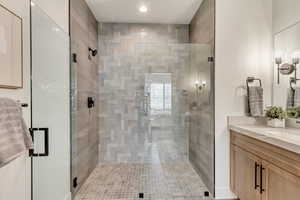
pixel 201 113
pixel 50 108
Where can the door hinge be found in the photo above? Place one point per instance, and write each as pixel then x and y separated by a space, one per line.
pixel 141 195
pixel 211 59
pixel 75 182
pixel 74 57
pixel 90 102
pixel 206 193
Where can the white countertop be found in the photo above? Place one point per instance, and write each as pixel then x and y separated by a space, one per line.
pixel 286 138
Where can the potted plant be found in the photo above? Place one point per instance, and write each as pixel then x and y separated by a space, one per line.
pixel 294 117
pixel 276 117
pixel 293 112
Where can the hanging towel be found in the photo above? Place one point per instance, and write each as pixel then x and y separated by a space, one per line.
pixel 14 135
pixel 297 97
pixel 290 98
pixel 256 101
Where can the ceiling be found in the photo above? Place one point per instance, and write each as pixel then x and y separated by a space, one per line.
pixel 159 11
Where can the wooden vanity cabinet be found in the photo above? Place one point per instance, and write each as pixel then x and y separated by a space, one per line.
pixel 280 184
pixel 245 182
pixel 260 171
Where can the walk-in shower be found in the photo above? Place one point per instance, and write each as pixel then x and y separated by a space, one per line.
pixel 131 116
pixel 154 117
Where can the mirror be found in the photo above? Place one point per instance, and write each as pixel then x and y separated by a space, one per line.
pixel 286 40
pixel 286 86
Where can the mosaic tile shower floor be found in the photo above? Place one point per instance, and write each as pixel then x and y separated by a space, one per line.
pixel 155 181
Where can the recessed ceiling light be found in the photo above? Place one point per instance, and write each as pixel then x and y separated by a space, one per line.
pixel 143 9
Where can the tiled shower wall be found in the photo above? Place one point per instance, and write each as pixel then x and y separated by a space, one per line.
pixel 84 82
pixel 201 143
pixel 127 53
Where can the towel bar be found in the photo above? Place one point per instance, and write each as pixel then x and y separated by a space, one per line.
pixel 24 105
pixel 252 79
pixel 293 81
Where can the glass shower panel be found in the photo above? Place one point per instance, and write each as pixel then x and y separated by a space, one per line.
pixel 180 83
pixel 200 90
pixel 158 107
pixel 161 70
pixel 50 108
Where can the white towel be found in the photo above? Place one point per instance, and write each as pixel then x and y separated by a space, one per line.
pixel 14 135
pixel 297 97
pixel 256 101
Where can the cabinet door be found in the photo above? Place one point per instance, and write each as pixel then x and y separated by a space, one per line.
pixel 246 174
pixel 279 184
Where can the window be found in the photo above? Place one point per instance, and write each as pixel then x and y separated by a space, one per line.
pixel 160 98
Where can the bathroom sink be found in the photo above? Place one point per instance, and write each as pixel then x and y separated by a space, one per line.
pixel 275 133
pixel 289 137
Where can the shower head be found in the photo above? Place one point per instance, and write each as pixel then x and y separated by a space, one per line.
pixel 93 51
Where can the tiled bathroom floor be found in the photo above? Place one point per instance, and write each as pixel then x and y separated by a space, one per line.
pixel 156 181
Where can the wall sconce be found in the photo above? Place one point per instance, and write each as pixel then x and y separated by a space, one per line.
pixel 200 86
pixel 286 68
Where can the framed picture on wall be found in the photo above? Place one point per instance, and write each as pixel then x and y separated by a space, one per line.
pixel 11 50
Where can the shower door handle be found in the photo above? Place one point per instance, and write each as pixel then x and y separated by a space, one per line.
pixel 46 142
pixel 146 104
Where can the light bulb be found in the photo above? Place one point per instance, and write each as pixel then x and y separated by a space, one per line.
pixel 143 9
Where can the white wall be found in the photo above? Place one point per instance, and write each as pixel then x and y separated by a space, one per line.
pixel 285 14
pixel 243 48
pixel 15 177
pixel 58 10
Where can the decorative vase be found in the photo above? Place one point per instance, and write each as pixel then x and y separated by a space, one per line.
pixel 276 123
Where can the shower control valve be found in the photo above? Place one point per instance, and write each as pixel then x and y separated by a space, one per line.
pixel 90 102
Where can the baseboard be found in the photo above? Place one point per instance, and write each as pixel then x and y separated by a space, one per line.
pixel 68 196
pixel 224 193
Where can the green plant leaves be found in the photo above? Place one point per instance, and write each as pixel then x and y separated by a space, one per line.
pixel 293 112
pixel 276 113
